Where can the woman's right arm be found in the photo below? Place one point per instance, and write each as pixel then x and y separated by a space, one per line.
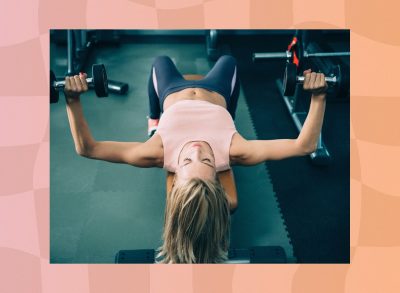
pixel 146 154
pixel 252 152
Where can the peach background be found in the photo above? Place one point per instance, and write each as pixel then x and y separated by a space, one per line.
pixel 24 145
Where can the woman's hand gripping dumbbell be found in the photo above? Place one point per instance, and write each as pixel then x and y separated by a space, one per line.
pixel 315 83
pixel 98 80
pixel 75 86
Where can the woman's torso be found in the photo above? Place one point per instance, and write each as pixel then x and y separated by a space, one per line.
pixel 189 94
pixel 195 94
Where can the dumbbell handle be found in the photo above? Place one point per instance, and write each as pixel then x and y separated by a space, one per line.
pixel 329 79
pixel 61 83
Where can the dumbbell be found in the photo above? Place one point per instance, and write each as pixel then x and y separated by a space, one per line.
pixel 98 80
pixel 290 79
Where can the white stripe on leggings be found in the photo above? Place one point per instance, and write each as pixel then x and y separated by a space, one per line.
pixel 233 81
pixel 155 81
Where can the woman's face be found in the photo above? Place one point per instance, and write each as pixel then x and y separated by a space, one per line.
pixel 196 160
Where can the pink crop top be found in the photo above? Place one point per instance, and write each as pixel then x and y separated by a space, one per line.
pixel 196 120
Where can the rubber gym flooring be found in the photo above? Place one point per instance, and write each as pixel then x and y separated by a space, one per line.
pixel 99 208
pixel 315 201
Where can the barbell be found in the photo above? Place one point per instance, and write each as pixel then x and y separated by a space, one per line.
pixel 288 55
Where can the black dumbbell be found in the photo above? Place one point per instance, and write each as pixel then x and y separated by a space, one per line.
pixel 98 79
pixel 290 79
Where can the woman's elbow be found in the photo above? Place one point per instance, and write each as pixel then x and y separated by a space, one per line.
pixel 83 151
pixel 86 148
pixel 310 149
pixel 306 149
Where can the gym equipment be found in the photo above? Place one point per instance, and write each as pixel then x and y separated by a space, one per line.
pixel 321 156
pixel 297 50
pixel 212 44
pixel 342 89
pixel 291 79
pixel 135 256
pixel 117 87
pixel 288 55
pixel 337 78
pixel 98 80
pixel 79 45
pixel 257 254
pixel 300 48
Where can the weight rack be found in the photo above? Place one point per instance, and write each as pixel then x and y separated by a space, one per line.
pixel 79 46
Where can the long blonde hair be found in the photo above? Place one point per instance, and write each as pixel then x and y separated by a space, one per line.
pixel 196 223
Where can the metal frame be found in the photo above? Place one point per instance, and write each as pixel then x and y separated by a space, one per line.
pixel 257 254
pixel 321 156
pixel 78 48
pixel 287 55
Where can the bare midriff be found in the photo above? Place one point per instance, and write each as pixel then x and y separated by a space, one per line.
pixel 194 94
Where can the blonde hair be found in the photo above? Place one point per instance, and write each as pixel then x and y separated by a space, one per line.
pixel 196 223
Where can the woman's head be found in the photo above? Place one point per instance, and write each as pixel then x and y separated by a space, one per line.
pixel 196 223
pixel 196 160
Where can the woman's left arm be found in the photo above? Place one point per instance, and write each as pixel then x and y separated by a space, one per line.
pixel 309 134
pixel 252 152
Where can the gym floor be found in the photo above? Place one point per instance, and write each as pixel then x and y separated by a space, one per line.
pixel 99 208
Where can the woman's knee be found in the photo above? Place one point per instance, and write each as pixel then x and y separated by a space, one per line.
pixel 228 58
pixel 161 60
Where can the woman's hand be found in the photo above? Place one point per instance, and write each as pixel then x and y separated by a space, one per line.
pixel 314 83
pixel 75 86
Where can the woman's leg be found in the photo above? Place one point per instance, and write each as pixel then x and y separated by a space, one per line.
pixel 163 74
pixel 154 102
pixel 223 77
pixel 234 98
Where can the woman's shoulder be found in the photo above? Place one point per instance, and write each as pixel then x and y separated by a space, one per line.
pixel 155 142
pixel 154 146
pixel 237 149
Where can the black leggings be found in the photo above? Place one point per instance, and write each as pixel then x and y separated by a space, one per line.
pixel 166 79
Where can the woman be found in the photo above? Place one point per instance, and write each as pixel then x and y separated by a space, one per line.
pixel 195 138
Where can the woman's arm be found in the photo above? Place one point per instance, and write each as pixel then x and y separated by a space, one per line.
pixel 309 134
pixel 146 154
pixel 251 152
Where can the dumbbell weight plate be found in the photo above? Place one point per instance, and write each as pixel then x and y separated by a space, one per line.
pixel 289 79
pixel 343 82
pixel 100 80
pixel 54 94
pixel 338 73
